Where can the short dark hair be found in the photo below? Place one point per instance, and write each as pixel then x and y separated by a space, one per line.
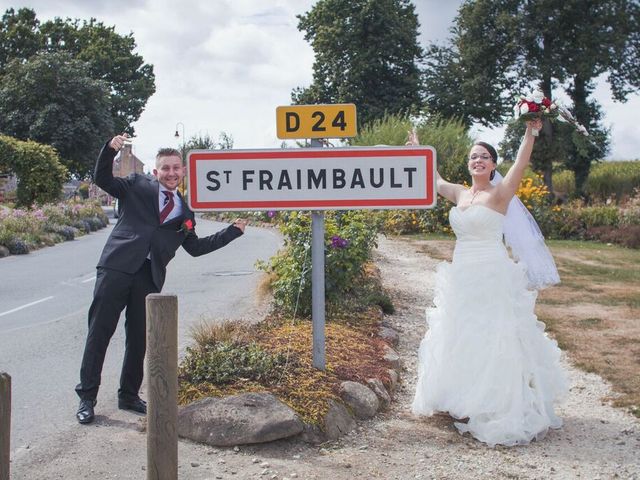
pixel 490 149
pixel 168 152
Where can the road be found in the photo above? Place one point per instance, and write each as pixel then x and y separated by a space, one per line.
pixel 44 299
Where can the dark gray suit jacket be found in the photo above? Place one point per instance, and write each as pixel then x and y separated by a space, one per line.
pixel 138 231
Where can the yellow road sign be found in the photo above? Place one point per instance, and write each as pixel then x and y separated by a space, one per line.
pixel 316 121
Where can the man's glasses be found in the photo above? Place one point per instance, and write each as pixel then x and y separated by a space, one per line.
pixel 484 156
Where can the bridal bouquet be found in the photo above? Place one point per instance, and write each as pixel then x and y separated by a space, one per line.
pixel 536 105
pixel 533 106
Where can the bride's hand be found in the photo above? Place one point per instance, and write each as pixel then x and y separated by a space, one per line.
pixel 412 138
pixel 535 124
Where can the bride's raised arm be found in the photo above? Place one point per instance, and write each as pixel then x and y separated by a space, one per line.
pixel 448 190
pixel 507 188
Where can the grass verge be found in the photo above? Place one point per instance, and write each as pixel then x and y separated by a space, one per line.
pixel 594 313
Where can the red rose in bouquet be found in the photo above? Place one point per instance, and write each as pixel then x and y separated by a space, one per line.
pixel 536 105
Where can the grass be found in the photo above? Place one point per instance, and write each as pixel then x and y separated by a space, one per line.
pixel 595 313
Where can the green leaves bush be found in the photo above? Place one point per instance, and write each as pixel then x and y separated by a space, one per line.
pixel 607 180
pixel 349 238
pixel 38 168
pixel 224 362
pixel 451 141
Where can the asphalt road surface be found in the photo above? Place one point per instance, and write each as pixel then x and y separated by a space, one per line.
pixel 44 299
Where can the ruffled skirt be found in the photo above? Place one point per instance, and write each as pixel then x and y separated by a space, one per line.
pixel 486 356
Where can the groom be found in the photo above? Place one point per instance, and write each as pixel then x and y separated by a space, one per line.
pixel 154 221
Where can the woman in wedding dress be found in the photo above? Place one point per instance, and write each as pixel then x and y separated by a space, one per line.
pixel 485 356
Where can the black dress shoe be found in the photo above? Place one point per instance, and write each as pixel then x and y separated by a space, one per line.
pixel 133 404
pixel 85 411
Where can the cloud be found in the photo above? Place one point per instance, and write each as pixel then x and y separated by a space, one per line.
pixel 225 65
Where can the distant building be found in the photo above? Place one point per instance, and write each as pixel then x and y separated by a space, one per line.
pixel 8 184
pixel 124 164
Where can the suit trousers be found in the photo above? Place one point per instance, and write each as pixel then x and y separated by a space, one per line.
pixel 114 291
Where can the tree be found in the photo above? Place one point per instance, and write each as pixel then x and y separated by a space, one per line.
pixel 499 47
pixel 366 53
pixel 110 57
pixel 52 99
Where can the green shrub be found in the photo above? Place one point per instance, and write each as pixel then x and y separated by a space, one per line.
pixel 564 183
pixel 38 168
pixel 607 180
pixel 225 362
pixel 452 143
pixel 600 216
pixel 349 238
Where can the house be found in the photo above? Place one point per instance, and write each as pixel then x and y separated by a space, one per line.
pixel 123 165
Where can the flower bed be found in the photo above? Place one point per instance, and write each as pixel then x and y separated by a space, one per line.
pixel 24 230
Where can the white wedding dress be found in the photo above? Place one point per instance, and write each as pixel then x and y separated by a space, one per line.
pixel 485 356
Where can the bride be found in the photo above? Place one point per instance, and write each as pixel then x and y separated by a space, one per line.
pixel 485 356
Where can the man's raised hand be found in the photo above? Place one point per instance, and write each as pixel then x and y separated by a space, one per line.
pixel 118 141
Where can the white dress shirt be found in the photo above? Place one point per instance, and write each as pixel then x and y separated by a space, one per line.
pixel 177 204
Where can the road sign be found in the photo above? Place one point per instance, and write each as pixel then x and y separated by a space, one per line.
pixel 312 178
pixel 316 121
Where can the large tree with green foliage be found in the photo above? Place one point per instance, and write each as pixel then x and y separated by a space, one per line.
pixel 366 53
pixel 109 55
pixel 52 99
pixel 501 47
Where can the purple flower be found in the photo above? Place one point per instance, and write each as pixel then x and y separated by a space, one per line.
pixel 339 242
pixel 271 213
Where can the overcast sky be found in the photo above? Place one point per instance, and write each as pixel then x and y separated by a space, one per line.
pixel 225 65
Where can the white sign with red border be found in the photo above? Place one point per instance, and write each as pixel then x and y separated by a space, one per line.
pixel 312 178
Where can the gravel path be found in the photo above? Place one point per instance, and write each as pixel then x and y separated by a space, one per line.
pixel 596 442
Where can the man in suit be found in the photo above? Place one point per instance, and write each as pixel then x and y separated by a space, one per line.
pixel 154 221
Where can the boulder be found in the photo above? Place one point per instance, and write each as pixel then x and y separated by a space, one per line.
pixel 394 379
pixel 377 386
pixel 392 357
pixel 389 335
pixel 237 420
pixel 362 400
pixel 337 422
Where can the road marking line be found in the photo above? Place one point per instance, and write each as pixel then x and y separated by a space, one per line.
pixel 25 306
pixel 89 279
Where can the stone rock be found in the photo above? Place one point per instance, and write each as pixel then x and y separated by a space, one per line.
pixel 394 377
pixel 4 251
pixel 362 400
pixel 377 386
pixel 389 335
pixel 237 420
pixel 337 422
pixel 392 357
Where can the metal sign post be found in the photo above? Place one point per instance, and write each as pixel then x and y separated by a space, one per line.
pixel 317 284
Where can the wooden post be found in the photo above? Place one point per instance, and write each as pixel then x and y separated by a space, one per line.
pixel 162 383
pixel 5 425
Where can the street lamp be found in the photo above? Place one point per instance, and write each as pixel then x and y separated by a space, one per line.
pixel 177 134
pixel 184 145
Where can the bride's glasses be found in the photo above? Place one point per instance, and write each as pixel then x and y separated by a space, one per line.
pixel 484 156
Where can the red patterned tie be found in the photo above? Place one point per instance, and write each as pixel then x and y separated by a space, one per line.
pixel 168 206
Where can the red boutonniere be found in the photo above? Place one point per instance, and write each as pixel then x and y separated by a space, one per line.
pixel 187 226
